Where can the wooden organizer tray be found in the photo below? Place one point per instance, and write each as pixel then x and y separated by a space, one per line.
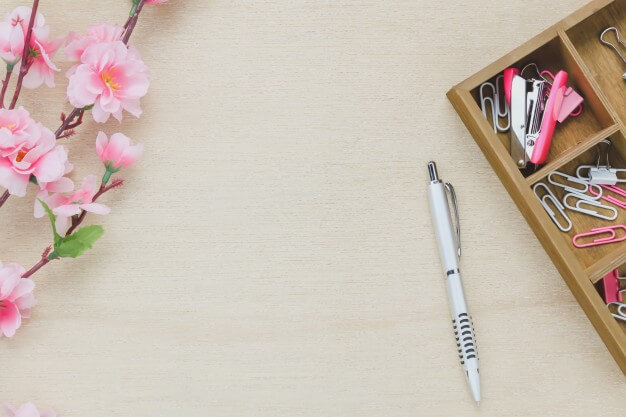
pixel 595 71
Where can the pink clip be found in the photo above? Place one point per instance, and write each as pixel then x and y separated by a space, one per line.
pixel 613 200
pixel 612 238
pixel 572 101
pixel 610 283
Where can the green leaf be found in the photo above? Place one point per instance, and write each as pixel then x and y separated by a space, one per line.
pixel 53 219
pixel 74 245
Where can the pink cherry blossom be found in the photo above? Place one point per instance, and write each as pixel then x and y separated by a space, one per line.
pixel 27 148
pixel 77 44
pixel 110 77
pixel 27 410
pixel 13 32
pixel 42 48
pixel 156 1
pixel 118 151
pixel 65 207
pixel 61 185
pixel 16 298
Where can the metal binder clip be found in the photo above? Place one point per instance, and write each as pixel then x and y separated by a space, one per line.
pixel 600 231
pixel 585 200
pixel 550 197
pixel 495 101
pixel 601 174
pixel 616 47
pixel 450 190
pixel 578 185
pixel 613 293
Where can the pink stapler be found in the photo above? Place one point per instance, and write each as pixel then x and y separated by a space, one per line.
pixel 533 117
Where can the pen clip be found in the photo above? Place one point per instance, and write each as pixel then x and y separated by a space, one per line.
pixel 452 193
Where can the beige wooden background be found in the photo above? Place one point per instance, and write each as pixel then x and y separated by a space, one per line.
pixel 272 254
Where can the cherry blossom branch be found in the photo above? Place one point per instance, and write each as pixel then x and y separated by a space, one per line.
pixel 77 220
pixel 133 21
pixel 26 63
pixel 5 84
pixel 4 197
pixel 130 27
pixel 66 122
pixel 43 261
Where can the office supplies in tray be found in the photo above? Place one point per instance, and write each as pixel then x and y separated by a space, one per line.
pixel 570 188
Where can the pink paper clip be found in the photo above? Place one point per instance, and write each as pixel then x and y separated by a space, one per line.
pixel 610 284
pixel 613 200
pixel 610 230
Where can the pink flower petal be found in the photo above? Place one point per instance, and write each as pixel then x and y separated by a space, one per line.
pixel 67 210
pixel 96 208
pixel 27 410
pixel 99 115
pixel 13 181
pixel 23 287
pixel 10 319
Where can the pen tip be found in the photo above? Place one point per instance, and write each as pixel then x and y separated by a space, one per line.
pixel 477 403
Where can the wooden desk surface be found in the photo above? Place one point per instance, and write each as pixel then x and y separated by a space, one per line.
pixel 272 254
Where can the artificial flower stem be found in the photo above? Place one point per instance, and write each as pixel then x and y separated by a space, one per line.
pixel 36 267
pixel 5 84
pixel 67 121
pixel 47 256
pixel 25 66
pixel 133 21
pixel 134 8
pixel 4 197
pixel 106 177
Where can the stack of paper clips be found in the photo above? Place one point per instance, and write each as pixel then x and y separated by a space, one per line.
pixel 594 191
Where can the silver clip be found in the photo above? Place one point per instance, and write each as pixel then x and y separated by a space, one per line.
pixel 601 174
pixel 614 46
pixel 496 102
pixel 452 193
pixel 586 200
pixel 549 196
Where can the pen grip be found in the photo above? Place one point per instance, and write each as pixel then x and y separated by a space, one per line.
pixel 461 321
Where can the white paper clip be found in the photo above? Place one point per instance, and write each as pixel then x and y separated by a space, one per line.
pixel 495 101
pixel 581 185
pixel 620 313
pixel 585 200
pixel 550 197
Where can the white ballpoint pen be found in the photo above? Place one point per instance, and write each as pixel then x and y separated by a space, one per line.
pixel 449 242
